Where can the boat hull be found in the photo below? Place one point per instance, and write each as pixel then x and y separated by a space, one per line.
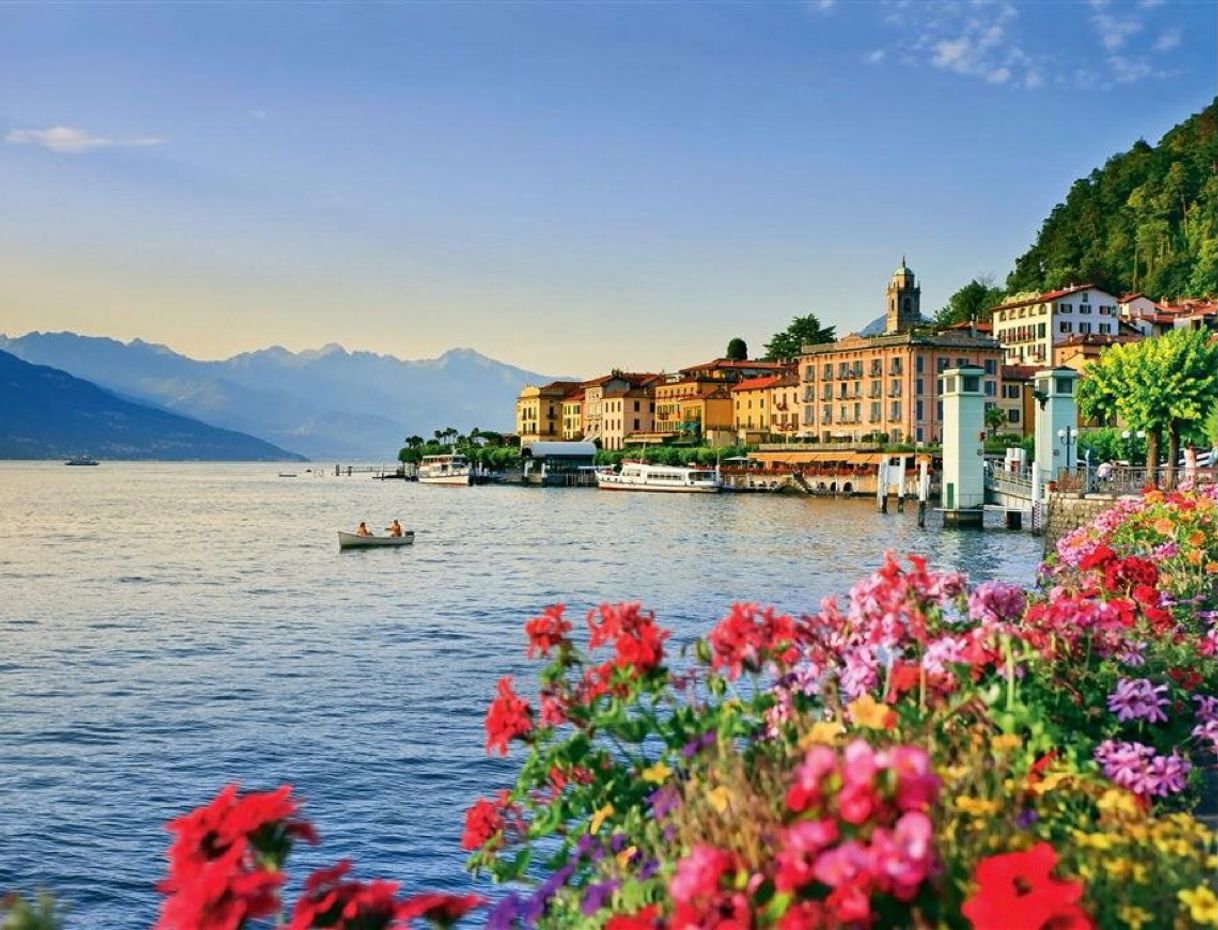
pixel 457 480
pixel 652 487
pixel 614 483
pixel 355 541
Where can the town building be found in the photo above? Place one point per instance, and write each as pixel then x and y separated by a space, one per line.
pixel 592 408
pixel 539 410
pixel 696 402
pixel 1016 401
pixel 1144 315
pixel 1030 326
pixel 865 388
pixel 1193 314
pixel 1079 351
pixel 573 414
pixel 766 409
pixel 628 408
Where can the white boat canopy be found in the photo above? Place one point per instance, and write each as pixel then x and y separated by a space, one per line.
pixel 542 450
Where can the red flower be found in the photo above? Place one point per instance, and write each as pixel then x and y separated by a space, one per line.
pixel 483 822
pixel 1016 891
pixel 330 901
pixel 442 909
pixel 549 631
pixel 1123 574
pixel 748 636
pixel 597 680
pixel 1097 557
pixel 638 641
pixel 643 920
pixel 220 896
pixel 507 718
pixel 224 865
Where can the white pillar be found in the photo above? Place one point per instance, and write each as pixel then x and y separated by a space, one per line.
pixel 1056 410
pixel 963 439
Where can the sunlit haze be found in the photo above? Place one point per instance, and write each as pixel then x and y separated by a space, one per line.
pixel 567 188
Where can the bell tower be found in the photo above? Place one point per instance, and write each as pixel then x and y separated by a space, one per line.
pixel 904 309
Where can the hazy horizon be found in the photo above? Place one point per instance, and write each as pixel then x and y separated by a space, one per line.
pixel 563 188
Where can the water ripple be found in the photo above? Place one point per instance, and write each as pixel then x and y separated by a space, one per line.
pixel 205 629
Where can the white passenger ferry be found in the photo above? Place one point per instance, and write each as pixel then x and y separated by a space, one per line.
pixel 445 469
pixel 636 476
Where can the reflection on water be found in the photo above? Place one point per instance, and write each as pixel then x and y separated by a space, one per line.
pixel 171 628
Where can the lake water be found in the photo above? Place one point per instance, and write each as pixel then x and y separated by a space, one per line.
pixel 171 628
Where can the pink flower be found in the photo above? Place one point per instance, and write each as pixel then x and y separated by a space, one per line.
pixel 698 874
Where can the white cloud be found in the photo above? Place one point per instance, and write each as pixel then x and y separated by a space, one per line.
pixel 1129 70
pixel 67 140
pixel 259 114
pixel 1168 40
pixel 822 6
pixel 876 57
pixel 1115 31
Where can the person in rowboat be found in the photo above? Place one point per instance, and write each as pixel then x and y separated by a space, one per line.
pixel 363 529
pixel 395 529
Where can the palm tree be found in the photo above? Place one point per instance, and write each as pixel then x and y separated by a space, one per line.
pixel 994 419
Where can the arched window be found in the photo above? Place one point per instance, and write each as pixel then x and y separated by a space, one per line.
pixel 908 304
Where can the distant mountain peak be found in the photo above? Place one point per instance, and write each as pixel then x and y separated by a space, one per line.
pixel 330 348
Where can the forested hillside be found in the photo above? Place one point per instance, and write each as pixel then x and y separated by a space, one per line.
pixel 1147 221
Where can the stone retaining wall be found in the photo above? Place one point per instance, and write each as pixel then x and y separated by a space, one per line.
pixel 1070 511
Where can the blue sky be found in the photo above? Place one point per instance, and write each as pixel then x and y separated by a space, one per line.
pixel 569 187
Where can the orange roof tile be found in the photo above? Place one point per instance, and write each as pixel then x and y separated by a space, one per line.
pixel 757 384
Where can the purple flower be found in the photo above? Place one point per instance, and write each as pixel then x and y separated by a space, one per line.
pixel 1131 654
pixel 996 602
pixel 697 744
pixel 1137 767
pixel 1138 699
pixel 505 913
pixel 1026 818
pixel 648 869
pixel 663 800
pixel 1207 707
pixel 596 895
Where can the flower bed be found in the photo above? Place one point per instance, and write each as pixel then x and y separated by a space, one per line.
pixel 922 755
pixel 925 754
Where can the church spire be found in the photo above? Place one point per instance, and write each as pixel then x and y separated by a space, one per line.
pixel 904 307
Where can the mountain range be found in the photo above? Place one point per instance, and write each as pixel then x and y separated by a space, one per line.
pixel 47 413
pixel 326 403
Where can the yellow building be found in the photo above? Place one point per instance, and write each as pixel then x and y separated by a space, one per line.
pixel 766 409
pixel 593 407
pixel 573 414
pixel 539 410
pixel 697 402
pixel 628 408
pixel 1016 401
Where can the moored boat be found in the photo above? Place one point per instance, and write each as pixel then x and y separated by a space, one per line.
pixel 355 541
pixel 639 476
pixel 445 469
pixel 80 460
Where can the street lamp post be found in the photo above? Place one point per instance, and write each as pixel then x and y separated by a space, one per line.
pixel 1068 437
pixel 1129 437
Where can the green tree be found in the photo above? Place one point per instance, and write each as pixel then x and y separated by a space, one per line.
pixel 803 331
pixel 974 301
pixel 737 350
pixel 994 419
pixel 1165 386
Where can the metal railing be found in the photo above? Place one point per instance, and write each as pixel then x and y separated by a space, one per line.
pixel 1128 479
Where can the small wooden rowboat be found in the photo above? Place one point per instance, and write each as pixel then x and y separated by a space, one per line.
pixel 354 541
